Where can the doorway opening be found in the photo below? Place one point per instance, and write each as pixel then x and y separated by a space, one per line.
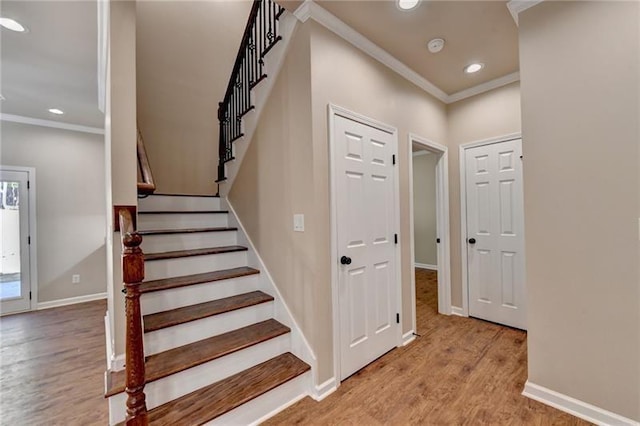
pixel 17 239
pixel 429 219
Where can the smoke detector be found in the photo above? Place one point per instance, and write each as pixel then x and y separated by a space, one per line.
pixel 435 45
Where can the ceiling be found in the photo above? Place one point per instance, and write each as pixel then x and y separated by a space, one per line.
pixel 481 31
pixel 54 64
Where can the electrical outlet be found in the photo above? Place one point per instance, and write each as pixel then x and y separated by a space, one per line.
pixel 298 222
pixel 75 279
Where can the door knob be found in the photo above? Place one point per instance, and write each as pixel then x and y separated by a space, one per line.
pixel 345 260
pixel 472 240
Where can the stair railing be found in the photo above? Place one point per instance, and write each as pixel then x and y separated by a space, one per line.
pixel 260 36
pixel 146 185
pixel 132 276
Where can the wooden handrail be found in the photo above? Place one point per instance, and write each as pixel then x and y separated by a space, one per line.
pixel 132 276
pixel 146 185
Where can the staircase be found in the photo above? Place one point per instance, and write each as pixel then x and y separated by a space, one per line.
pixel 214 352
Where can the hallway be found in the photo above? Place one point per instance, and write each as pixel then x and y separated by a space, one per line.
pixel 460 371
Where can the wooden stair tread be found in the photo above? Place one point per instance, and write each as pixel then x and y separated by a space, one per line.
pixel 184 231
pixel 193 252
pixel 187 280
pixel 185 212
pixel 214 400
pixel 157 321
pixel 184 357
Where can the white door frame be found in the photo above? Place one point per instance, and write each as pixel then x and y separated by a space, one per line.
pixel 463 209
pixel 333 111
pixel 33 261
pixel 442 224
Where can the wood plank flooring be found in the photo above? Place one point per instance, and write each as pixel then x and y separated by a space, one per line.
pixel 52 366
pixel 462 371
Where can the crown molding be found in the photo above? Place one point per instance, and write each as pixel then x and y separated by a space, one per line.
pixel 311 10
pixel 484 87
pixel 52 124
pixel 518 6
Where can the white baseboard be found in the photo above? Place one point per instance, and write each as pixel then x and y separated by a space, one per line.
pixel 117 362
pixel 426 266
pixel 575 407
pixel 408 337
pixel 455 310
pixel 325 389
pixel 71 301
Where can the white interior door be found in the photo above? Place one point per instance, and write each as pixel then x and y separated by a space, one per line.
pixel 495 233
pixel 15 280
pixel 365 239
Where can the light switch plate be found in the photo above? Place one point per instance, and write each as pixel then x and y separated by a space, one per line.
pixel 298 222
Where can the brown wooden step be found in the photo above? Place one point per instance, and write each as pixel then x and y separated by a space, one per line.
pixel 214 400
pixel 179 359
pixel 187 280
pixel 184 231
pixel 194 252
pixel 153 322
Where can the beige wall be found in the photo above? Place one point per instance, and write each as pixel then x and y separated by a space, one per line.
pixel 120 148
pixel 580 107
pixel 424 208
pixel 293 173
pixel 185 53
pixel 483 116
pixel 70 205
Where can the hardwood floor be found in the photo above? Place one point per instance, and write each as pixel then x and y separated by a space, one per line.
pixel 462 371
pixel 52 365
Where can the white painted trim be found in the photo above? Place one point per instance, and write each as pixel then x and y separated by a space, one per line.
pixel 103 52
pixel 71 301
pixel 426 266
pixel 117 362
pixel 109 341
pixel 518 6
pixel 300 346
pixel 484 87
pixel 324 389
pixel 442 224
pixel 310 9
pixel 333 111
pixel 49 123
pixel 463 209
pixel 575 407
pixel 420 153
pixel 408 337
pixel 455 310
pixel 33 247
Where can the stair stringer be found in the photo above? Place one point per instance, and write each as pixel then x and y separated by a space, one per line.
pixel 273 62
pixel 300 346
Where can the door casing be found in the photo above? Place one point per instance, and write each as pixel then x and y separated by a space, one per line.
pixel 33 261
pixel 463 211
pixel 442 226
pixel 333 111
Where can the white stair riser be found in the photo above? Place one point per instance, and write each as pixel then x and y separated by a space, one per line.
pixel 166 300
pixel 188 241
pixel 183 334
pixel 169 268
pixel 182 203
pixel 181 221
pixel 267 405
pixel 176 385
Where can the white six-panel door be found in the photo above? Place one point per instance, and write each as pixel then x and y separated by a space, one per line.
pixel 365 238
pixel 495 239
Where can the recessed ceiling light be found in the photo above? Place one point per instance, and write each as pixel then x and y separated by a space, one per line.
pixel 56 111
pixel 407 4
pixel 12 25
pixel 475 67
pixel 435 45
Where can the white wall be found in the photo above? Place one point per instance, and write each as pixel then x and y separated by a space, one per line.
pixel 424 208
pixel 580 79
pixel 70 202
